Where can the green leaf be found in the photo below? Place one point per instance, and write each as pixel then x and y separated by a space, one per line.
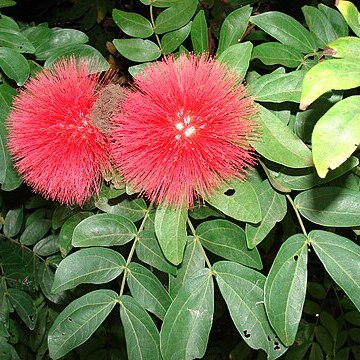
pixel 193 261
pixel 47 246
pixel 132 24
pixel 273 210
pixel 38 35
pixel 6 3
pixel 35 231
pixel 304 179
pixel 319 25
pixel 138 50
pixel 237 57
pixel 13 221
pixel 170 229
pixel 79 320
pixel 333 74
pixel 341 259
pixel 286 29
pixel 67 230
pixel 148 251
pixel 242 290
pixel 14 65
pixel 104 230
pixel 134 209
pixel 60 38
pixel 344 47
pixel 24 306
pixel 273 53
pixel 88 266
pixel 186 327
pixel 199 33
pixel 351 15
pixel 176 16
pixel 237 199
pixel 228 240
pixel 336 135
pixel 172 40
pixel 336 19
pixel 14 39
pixel 141 334
pixel 147 290
pixel 8 351
pixel 233 28
pixel 330 206
pixel 279 144
pixel 285 288
pixel 79 51
pixel 278 87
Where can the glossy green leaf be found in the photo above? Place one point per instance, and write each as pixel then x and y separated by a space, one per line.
pixel 319 25
pixel 138 50
pixel 147 290
pixel 14 65
pixel 141 334
pixel 104 230
pixel 7 349
pixel 98 61
pixel 228 240
pixel 67 230
pixel 273 210
pixel 233 28
pixel 60 38
pixel 186 327
pixel 170 228
pixel 336 135
pixel 172 40
pixel 193 261
pixel 237 58
pixel 199 33
pixel 351 14
pixel 285 288
pixel 134 209
pixel 148 251
pixel 279 144
pixel 242 290
pixel 176 16
pixel 304 179
pixel 273 53
pixel 14 39
pixel 88 266
pixel 6 3
pixel 13 221
pixel 286 29
pixel 60 214
pixel 24 306
pixel 278 87
pixel 330 206
pixel 47 246
pixel 333 74
pixel 341 259
pixel 79 320
pixel 344 47
pixel 337 21
pixel 237 199
pixel 132 24
pixel 35 231
pixel 38 35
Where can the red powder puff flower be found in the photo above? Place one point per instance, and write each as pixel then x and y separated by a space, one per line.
pixel 56 147
pixel 184 131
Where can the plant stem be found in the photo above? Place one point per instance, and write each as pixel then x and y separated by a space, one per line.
pixel 191 226
pixel 153 25
pixel 297 214
pixel 133 247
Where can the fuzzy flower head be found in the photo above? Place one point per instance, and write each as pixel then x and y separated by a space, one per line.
pixel 56 146
pixel 184 131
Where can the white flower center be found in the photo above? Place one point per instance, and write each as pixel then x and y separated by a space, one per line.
pixel 183 126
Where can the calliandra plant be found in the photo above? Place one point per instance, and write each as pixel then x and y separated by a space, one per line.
pixel 184 130
pixel 59 148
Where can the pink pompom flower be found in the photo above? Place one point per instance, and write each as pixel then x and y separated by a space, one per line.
pixel 184 130
pixel 55 145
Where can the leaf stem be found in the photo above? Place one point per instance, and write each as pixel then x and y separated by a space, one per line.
pixel 193 231
pixel 153 25
pixel 133 247
pixel 297 214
